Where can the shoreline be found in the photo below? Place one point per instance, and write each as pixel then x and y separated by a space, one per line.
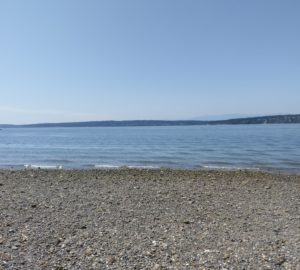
pixel 50 168
pixel 149 219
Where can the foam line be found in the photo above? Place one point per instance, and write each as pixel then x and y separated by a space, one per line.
pixel 35 166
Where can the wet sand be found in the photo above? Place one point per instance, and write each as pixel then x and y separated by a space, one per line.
pixel 148 219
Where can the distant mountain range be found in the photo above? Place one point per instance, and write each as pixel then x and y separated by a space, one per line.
pixel 274 119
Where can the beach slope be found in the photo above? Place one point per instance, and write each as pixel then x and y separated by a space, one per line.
pixel 148 219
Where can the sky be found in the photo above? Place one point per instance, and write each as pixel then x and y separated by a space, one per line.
pixel 71 60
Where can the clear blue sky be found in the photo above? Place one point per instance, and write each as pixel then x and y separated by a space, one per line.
pixel 70 60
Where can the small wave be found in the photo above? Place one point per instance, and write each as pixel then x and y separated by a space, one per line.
pixel 35 166
pixel 229 168
pixel 106 166
pixel 110 166
pixel 142 167
pixel 12 166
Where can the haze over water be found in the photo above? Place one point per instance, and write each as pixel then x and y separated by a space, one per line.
pixel 265 147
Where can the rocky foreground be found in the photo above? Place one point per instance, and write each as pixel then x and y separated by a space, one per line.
pixel 149 219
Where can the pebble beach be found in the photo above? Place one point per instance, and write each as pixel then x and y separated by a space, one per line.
pixel 149 219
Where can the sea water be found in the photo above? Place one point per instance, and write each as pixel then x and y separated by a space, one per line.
pixel 256 147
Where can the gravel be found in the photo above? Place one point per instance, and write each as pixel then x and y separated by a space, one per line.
pixel 148 219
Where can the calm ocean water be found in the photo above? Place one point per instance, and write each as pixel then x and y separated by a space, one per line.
pixel 267 147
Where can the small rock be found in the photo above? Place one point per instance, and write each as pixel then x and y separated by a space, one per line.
pixel 24 238
pixel 280 261
pixel 111 260
pixel 164 245
pixel 5 257
pixel 88 252
pixel 226 256
pixel 58 241
pixel 154 243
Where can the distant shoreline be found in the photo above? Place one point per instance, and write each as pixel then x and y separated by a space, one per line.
pixel 273 119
